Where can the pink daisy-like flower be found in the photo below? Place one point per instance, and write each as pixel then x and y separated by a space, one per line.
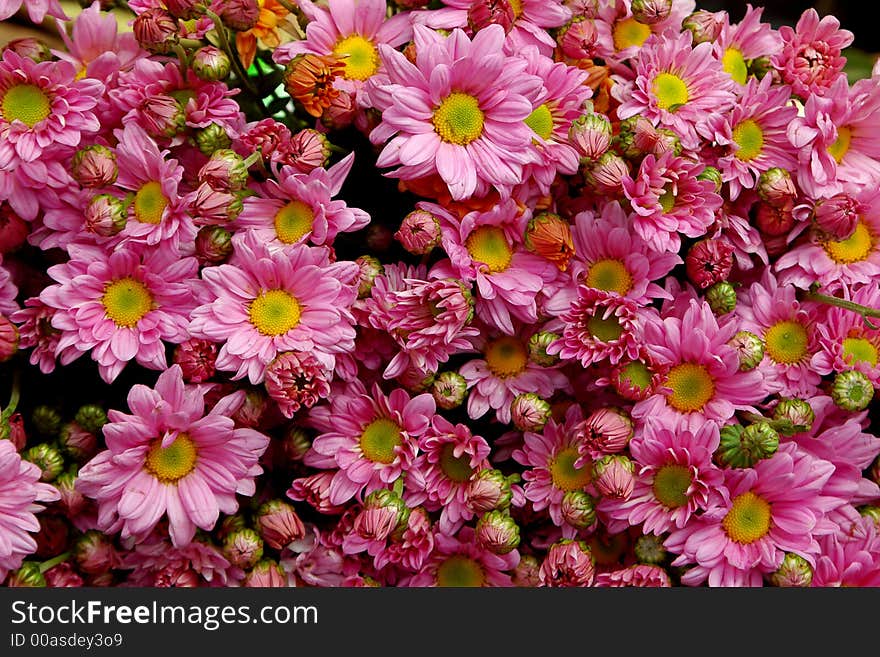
pixel 299 207
pixel 788 328
pixel 610 257
pixel 668 200
pixel 158 563
pixel 703 380
pixel 457 561
pixel 621 36
pixel 850 559
pixel 20 490
pixel 459 111
pixel 811 59
pixel 120 306
pixel 265 303
pixel 414 546
pixel 36 332
pixel 36 9
pixel 775 507
pixel 440 475
pixel 676 85
pixel 639 575
pixel 675 481
pixel 846 341
pixel 747 40
pixel 168 458
pixel 372 438
pixel 753 134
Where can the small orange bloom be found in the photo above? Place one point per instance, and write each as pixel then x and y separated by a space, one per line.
pixel 549 236
pixel 309 80
pixel 266 31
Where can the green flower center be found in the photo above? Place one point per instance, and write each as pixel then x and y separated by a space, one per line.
pixel 293 221
pixel 457 468
pixel 126 300
pixel 609 275
pixel 786 342
pixel 541 121
pixel 604 330
pixel 172 463
pixel 458 119
pixel 670 91
pixel 26 103
pixel 379 439
pixel 749 136
pixel 735 64
pixel 275 312
pixel 859 350
pixel 563 473
pixel 150 203
pixel 460 571
pixel 671 483
pixel 748 519
pixel 667 200
pixel 636 374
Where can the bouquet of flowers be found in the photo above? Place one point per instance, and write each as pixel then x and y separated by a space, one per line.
pixel 459 293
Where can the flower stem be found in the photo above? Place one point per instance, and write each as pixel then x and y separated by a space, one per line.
pixel 864 311
pixel 54 561
pixel 229 50
pixel 14 396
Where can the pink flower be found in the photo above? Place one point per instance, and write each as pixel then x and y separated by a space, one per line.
pixel 846 341
pixel 158 563
pixel 296 379
pixel 621 36
pixel 8 291
pixel 120 306
pixel 850 559
pixel 265 303
pixel 170 459
pixel 36 331
pixel 638 575
pixel 20 490
pixel 459 111
pixel 747 40
pixel 457 561
pixel 37 9
pixel 568 563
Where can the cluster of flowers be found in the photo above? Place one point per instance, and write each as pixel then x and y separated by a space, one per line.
pixel 621 336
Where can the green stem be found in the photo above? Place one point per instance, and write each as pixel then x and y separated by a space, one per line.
pixel 182 56
pixel 289 6
pixel 54 561
pixel 233 55
pixel 253 158
pixel 14 396
pixel 864 311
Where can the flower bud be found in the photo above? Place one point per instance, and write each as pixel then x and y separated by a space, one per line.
pixel 295 380
pixel 266 574
pixel 761 66
pixel 47 458
pixel 483 13
pixel 797 413
pixel 549 236
pixel 211 138
pixel 529 412
pixel 213 245
pixel 231 524
pixel 606 431
pixel 721 298
pixel 197 359
pixel 497 532
pixel 295 443
pixel 538 344
pixel 743 447
pixel 713 174
pixel 776 188
pixel 852 390
pixel 613 476
pixel 608 173
pixel 185 10
pixel 578 509
pixel 46 420
pixel 72 501
pixel 225 171
pixel 13 229
pixel 63 576
pixel 384 513
pixel 163 116
pixel 77 443
pixel 568 563
pixel 27 576
pixel 12 429
pixel 239 15
pixel 94 166
pixel 526 572
pixel 709 261
pixel 488 490
pixel 370 267
pixel 33 49
pixel 836 218
pixel 91 418
pixel 449 390
pixel 307 150
pixel 703 25
pixel 243 548
pixel 578 39
pixel 210 207
pixel 278 524
pixel 94 553
pixel 794 571
pixel 590 135
pixel 105 215
pixel 156 31
pixel 771 221
pixel 750 349
pixel 419 232
pixel 8 339
pixel 649 550
pixel 650 12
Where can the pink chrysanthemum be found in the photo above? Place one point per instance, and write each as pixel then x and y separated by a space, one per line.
pixel 168 458
pixel 120 306
pixel 747 40
pixel 372 438
pixel 621 36
pixel 639 575
pixel 676 85
pixel 703 380
pixel 158 563
pixel 668 200
pixel 464 112
pixel 811 58
pixel 850 559
pixel 788 328
pixel 774 508
pixel 20 490
pixel 299 208
pixel 846 341
pixel 266 303
pixel 675 481
pixel 35 331
pixel 753 134
pixel 37 9
pixel 457 561
pixel 440 475
pixel 296 379
pixel 413 547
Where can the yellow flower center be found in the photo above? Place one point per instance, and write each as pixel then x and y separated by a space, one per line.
pixel 293 221
pixel 275 312
pixel 629 32
pixel 671 483
pixel 735 64
pixel 359 55
pixel 460 571
pixel 604 329
pixel 506 357
pixel 786 342
pixel 667 200
pixel 692 386
pixel 457 468
pixel 172 463
pixel 670 91
pixel 749 136
pixel 126 301
pixel 517 7
pixel 609 275
pixel 841 145
pixel 541 121
pixel 458 119
pixel 636 374
pixel 860 350
pixel 150 203
pixel 856 248
pixel 563 473
pixel 748 519
pixel 488 244
pixel 26 103
pixel 379 439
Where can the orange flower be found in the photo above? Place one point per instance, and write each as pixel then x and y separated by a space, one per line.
pixel 549 235
pixel 266 30
pixel 309 80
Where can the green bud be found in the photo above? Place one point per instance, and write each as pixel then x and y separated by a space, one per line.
pixel 742 447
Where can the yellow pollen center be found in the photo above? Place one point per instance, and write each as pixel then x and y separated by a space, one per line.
pixel 604 329
pixel 629 32
pixel 359 55
pixel 150 203
pixel 506 357
pixel 541 121
pixel 563 473
pixel 275 312
pixel 860 350
pixel 735 64
pixel 293 221
pixel 126 301
pixel 856 248
pixel 749 136
pixel 26 103
pixel 488 244
pixel 671 483
pixel 457 468
pixel 786 342
pixel 172 463
pixel 460 571
pixel 609 275
pixel 379 439
pixel 692 386
pixel 517 7
pixel 748 519
pixel 841 145
pixel 670 91
pixel 458 119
